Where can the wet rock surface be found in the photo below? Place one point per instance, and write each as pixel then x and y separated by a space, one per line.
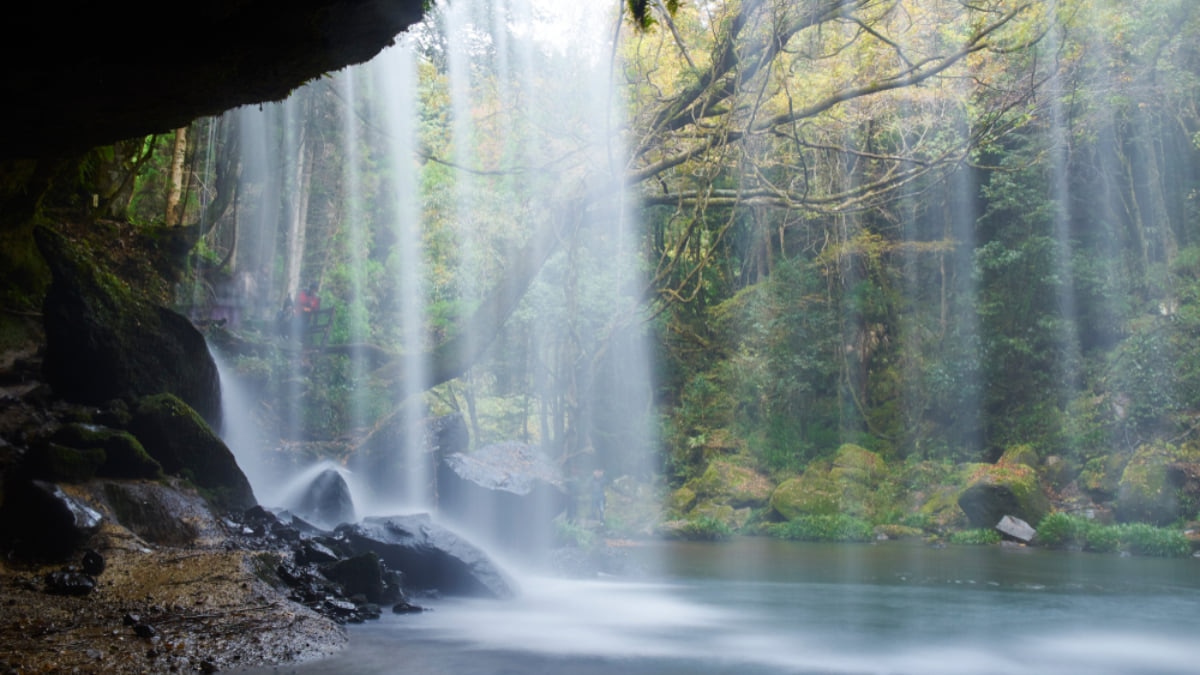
pixel 431 557
pixel 508 489
pixel 155 609
pixel 326 501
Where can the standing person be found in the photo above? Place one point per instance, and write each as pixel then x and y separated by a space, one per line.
pixel 598 495
pixel 308 303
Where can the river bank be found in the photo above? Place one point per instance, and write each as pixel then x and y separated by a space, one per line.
pixel 203 608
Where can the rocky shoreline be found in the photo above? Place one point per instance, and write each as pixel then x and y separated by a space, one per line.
pixel 157 609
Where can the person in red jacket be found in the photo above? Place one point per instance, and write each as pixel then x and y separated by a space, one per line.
pixel 308 302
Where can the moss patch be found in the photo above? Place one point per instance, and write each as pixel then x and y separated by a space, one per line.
pixel 1149 491
pixel 1005 488
pixel 175 436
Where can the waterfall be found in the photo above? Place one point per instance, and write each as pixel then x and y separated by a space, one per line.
pixel 459 203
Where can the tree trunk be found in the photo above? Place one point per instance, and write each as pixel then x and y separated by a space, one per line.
pixel 174 215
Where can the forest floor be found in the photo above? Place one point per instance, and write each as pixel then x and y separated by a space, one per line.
pixel 203 609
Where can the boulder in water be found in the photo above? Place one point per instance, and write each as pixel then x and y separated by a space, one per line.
pixel 431 557
pixel 326 501
pixel 508 490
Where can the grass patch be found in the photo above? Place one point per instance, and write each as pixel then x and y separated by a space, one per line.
pixel 835 527
pixel 1061 530
pixel 977 537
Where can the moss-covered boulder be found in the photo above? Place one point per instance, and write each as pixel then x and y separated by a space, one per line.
pixel 812 493
pixel 183 444
pixel 849 484
pixel 1154 485
pixel 733 518
pixel 1021 454
pixel 123 455
pixel 680 501
pixel 1002 489
pixel 104 341
pixel 59 463
pixel 726 482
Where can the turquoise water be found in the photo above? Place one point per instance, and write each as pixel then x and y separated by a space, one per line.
pixel 763 606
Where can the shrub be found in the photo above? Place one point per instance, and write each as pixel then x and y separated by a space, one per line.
pixel 704 528
pixel 1102 539
pixel 1144 539
pixel 835 527
pixel 975 537
pixel 1060 530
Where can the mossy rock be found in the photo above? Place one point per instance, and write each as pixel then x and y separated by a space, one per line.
pixel 1151 486
pixel 124 456
pixel 734 519
pixel 59 463
pixel 853 463
pixel 737 485
pixel 1021 454
pixel 174 435
pixel 1002 489
pixel 106 341
pixel 681 500
pixel 812 493
pixel 938 509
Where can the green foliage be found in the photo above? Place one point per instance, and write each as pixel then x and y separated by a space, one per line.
pixel 976 537
pixel 832 527
pixel 702 528
pixel 1148 540
pixel 1062 530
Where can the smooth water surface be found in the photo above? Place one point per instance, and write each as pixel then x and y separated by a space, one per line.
pixel 763 607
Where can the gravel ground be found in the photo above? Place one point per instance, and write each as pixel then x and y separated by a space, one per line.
pixel 201 609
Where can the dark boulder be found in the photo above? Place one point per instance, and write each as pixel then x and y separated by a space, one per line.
pixel 508 490
pixel 431 557
pixel 183 444
pixel 40 520
pixel 158 513
pixel 326 501
pixel 360 574
pixel 104 341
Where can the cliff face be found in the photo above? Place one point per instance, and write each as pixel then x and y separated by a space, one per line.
pixel 79 74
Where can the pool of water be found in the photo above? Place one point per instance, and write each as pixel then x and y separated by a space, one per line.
pixel 761 606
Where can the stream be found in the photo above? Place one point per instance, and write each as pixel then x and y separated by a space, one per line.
pixel 757 605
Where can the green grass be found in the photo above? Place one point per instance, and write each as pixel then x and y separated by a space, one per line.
pixel 1061 530
pixel 836 527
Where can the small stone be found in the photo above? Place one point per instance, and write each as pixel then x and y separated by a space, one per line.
pixel 143 630
pixel 131 619
pixel 69 583
pixel 93 563
pixel 406 608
